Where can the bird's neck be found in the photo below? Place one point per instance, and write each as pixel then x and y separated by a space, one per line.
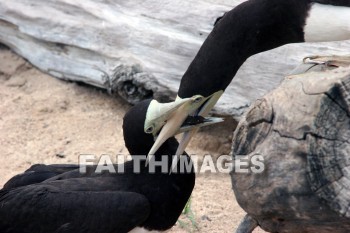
pixel 253 27
pixel 169 165
pixel 162 160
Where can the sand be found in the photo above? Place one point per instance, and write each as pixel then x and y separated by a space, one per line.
pixel 47 120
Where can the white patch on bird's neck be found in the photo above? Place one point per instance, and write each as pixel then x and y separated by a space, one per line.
pixel 143 230
pixel 327 23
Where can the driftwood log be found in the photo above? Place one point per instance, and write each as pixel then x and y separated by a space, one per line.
pixel 302 131
pixel 139 48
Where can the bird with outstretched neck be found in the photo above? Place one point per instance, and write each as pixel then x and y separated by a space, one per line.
pixel 252 27
pixel 58 198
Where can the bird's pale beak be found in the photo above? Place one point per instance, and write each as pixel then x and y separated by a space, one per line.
pixel 176 120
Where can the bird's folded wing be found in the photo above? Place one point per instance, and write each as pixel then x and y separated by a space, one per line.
pixel 44 208
pixel 59 168
pixel 38 173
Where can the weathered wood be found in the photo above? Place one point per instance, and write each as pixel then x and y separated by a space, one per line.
pixel 137 48
pixel 301 129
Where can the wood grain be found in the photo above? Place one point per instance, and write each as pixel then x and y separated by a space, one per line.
pixel 138 49
pixel 301 130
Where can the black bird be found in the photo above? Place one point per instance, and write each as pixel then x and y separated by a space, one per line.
pixel 250 28
pixel 132 201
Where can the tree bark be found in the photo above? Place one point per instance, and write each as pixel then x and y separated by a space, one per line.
pixel 301 132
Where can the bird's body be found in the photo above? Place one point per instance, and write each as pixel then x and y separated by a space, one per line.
pixel 134 199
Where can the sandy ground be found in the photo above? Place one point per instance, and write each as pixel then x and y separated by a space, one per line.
pixel 46 120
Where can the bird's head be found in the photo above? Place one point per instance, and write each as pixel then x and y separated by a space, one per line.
pixel 149 124
pixel 184 115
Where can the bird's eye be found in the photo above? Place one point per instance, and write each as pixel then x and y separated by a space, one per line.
pixel 150 129
pixel 198 99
